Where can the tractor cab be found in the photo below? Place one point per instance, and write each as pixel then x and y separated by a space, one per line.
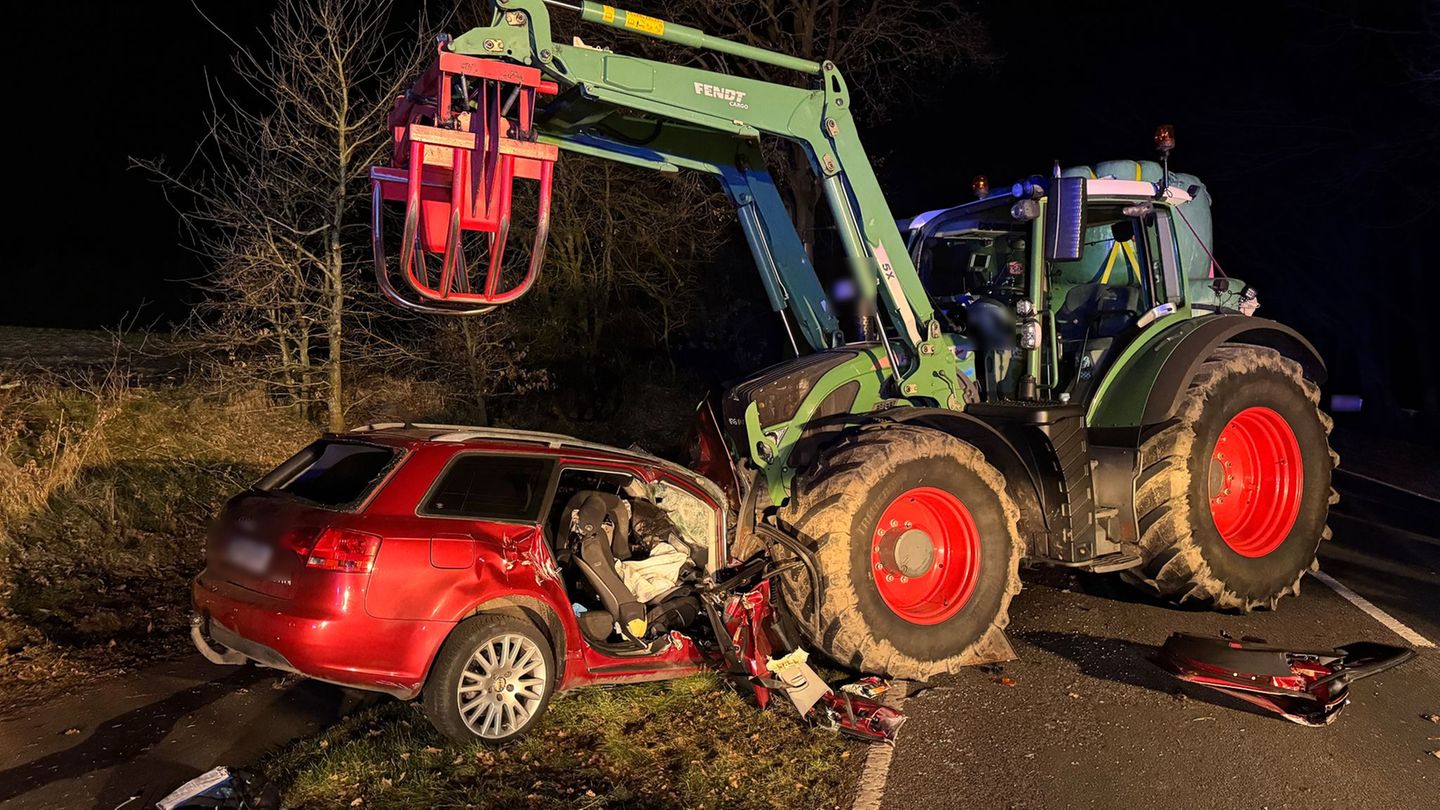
pixel 993 274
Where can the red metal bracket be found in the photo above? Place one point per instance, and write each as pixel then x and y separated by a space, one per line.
pixel 454 170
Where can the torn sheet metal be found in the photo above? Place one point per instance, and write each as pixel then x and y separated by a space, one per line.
pixel 1308 687
pixel 748 627
pixel 858 717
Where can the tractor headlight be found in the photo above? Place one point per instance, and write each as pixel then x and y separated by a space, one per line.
pixel 1030 335
pixel 1024 308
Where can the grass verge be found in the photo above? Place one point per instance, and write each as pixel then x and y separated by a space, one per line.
pixel 691 743
pixel 105 495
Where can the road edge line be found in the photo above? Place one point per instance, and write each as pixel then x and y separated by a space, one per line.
pixel 1395 626
pixel 876 771
pixel 1382 482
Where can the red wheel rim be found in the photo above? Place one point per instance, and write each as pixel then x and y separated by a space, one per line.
pixel 1255 482
pixel 925 555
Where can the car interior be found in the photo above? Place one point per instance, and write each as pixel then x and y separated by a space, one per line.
pixel 629 569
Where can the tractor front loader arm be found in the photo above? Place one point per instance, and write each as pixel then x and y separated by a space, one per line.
pixel 471 128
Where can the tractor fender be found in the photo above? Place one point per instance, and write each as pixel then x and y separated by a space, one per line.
pixel 997 449
pixel 1147 387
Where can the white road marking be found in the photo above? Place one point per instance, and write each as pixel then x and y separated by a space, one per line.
pixel 1396 626
pixel 877 763
pixel 1430 498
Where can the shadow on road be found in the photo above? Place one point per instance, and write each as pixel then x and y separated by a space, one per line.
pixel 117 740
pixel 1129 663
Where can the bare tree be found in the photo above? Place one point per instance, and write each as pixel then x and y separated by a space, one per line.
pixel 626 249
pixel 276 198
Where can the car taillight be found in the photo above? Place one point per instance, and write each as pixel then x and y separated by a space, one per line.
pixel 344 550
pixel 300 540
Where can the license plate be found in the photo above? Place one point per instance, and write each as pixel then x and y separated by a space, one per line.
pixel 248 554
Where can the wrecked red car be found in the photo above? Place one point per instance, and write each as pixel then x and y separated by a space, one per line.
pixel 480 570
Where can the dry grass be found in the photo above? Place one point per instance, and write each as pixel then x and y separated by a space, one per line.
pixel 105 493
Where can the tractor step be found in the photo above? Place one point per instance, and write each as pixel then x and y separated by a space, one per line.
pixel 1119 561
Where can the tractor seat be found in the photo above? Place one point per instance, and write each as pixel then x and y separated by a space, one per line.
pixel 1097 311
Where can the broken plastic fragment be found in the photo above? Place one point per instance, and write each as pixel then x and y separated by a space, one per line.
pixel 1308 687
pixel 803 685
pixel 869 688
pixel 224 789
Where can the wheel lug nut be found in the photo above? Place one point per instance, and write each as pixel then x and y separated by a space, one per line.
pixel 894 523
pixel 907 524
pixel 889 578
pixel 904 579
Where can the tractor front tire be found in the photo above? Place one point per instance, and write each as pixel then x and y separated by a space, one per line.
pixel 1234 495
pixel 918 548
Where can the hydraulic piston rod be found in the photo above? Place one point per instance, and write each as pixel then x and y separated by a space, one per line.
pixel 685 35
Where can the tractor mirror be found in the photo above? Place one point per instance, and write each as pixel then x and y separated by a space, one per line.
pixel 1065 220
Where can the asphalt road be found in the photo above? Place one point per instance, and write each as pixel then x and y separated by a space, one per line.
pixel 1090 722
pixel 132 740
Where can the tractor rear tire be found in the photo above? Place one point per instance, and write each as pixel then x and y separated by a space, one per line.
pixel 918 548
pixel 1234 495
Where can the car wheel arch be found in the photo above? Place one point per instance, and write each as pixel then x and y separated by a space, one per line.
pixel 526 608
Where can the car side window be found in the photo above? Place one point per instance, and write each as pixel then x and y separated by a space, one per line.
pixel 488 487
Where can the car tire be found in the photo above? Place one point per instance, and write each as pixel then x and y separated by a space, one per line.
pixel 492 680
pixel 868 511
pixel 1236 531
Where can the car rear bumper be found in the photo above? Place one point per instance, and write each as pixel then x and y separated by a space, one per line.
pixel 340 645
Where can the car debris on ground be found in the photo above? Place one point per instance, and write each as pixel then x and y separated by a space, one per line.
pixel 1309 687
pixel 223 789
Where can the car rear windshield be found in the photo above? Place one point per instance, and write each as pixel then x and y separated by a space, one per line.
pixel 331 473
pixel 491 487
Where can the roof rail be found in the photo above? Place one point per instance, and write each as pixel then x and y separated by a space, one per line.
pixel 374 426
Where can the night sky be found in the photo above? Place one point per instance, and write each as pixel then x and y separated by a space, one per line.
pixel 1309 122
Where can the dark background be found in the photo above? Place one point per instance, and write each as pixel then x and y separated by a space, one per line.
pixel 1313 124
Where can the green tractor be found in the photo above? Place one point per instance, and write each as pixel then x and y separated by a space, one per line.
pixel 1058 374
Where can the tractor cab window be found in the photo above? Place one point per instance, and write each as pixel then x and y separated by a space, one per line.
pixel 1162 253
pixel 1099 297
pixel 976 266
pixel 975 258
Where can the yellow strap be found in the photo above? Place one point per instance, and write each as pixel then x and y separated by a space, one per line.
pixel 1110 262
pixel 1130 255
pixel 1116 248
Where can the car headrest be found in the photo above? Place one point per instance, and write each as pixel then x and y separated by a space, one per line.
pixel 618 510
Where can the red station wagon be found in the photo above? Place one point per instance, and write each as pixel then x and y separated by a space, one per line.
pixel 480 569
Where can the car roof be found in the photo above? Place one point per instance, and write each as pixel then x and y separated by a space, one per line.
pixel 521 441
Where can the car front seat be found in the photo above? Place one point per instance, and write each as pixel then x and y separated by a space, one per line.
pixel 589 513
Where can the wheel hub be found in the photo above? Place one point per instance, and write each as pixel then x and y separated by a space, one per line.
pixel 925 555
pixel 1255 481
pixel 912 553
pixel 502 685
